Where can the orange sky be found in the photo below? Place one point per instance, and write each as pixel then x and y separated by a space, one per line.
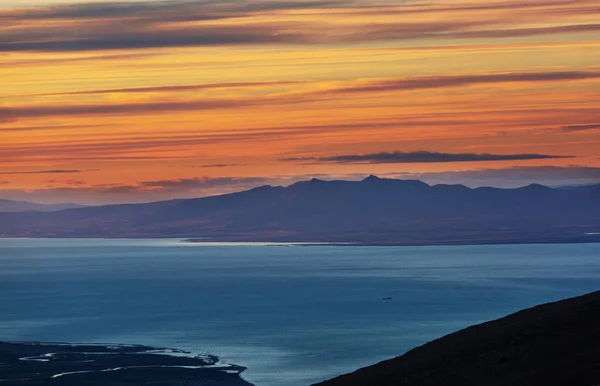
pixel 139 100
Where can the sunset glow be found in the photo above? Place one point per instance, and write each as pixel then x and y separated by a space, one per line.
pixel 136 101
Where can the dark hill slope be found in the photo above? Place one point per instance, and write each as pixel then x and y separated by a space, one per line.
pixel 555 344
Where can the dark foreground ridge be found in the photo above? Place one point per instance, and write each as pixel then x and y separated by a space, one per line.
pixel 555 344
pixel 28 364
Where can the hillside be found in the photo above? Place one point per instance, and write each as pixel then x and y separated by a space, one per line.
pixel 554 344
pixel 372 211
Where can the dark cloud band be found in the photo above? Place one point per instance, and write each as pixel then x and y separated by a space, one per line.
pixel 422 157
pixel 422 83
pixel 175 88
pixel 54 171
pixel 581 127
pixel 150 24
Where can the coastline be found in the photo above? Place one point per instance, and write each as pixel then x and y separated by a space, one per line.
pixel 36 363
pixel 585 239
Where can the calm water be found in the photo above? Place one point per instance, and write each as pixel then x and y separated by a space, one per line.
pixel 293 315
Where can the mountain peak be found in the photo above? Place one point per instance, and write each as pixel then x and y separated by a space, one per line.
pixel 371 177
pixel 535 187
pixel 307 183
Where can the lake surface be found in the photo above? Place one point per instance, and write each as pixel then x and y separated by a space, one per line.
pixel 292 314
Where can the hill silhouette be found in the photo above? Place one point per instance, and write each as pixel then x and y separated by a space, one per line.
pixel 554 344
pixel 371 211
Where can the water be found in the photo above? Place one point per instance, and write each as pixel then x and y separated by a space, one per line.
pixel 292 315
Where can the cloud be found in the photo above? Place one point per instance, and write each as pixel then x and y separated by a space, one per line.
pixel 115 37
pixel 49 127
pixel 144 191
pixel 512 176
pixel 526 32
pixel 202 183
pixel 147 147
pixel 93 58
pixel 75 182
pixel 219 165
pixel 134 148
pixel 67 182
pixel 191 87
pixel 156 146
pixel 118 109
pixel 54 171
pixel 163 24
pixel 160 11
pixel 421 83
pixel 123 25
pixel 580 127
pixel 342 91
pixel 421 157
pixel 245 35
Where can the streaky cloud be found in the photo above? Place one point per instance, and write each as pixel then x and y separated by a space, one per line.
pixel 159 11
pixel 69 60
pixel 371 86
pixel 421 83
pixel 175 88
pixel 201 183
pixel 147 24
pixel 573 128
pixel 514 176
pixel 51 171
pixel 217 166
pixel 525 32
pixel 421 157
pixel 11 113
pixel 50 127
pixel 144 191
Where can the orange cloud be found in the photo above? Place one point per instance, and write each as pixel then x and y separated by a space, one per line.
pixel 141 25
pixel 139 93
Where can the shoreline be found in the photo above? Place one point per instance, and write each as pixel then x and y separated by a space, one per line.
pixel 588 239
pixel 396 244
pixel 35 363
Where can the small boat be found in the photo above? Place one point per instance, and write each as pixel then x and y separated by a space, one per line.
pixel 387 298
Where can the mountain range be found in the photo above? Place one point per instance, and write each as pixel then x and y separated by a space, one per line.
pixel 372 211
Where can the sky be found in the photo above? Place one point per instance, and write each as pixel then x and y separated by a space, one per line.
pixel 135 101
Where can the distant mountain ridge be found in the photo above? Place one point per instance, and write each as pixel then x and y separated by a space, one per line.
pixel 371 211
pixel 22 206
